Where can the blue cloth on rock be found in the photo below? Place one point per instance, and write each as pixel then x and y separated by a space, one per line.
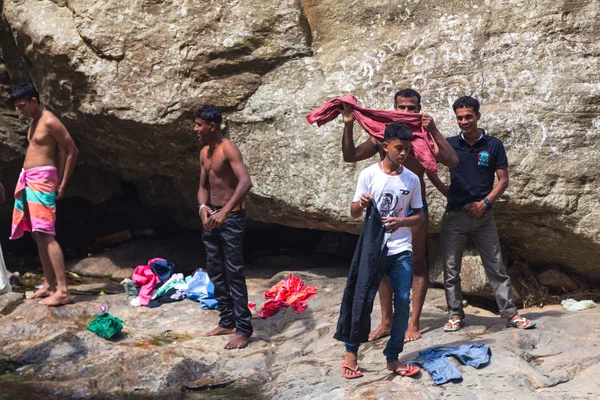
pixel 434 360
pixel 162 268
pixel 201 289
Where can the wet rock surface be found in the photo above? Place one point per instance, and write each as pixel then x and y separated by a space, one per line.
pixel 8 301
pixel 161 353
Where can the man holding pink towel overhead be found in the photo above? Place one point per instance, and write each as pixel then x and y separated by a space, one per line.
pixel 429 147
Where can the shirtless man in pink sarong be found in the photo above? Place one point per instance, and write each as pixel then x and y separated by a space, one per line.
pixel 406 100
pixel 49 163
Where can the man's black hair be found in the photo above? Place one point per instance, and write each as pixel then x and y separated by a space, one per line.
pixel 24 91
pixel 466 102
pixel 407 94
pixel 397 130
pixel 210 113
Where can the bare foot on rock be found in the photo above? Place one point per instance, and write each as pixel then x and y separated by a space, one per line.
pixel 237 342
pixel 220 331
pixel 59 298
pixel 44 291
pixel 381 331
pixel 412 334
pixel 349 366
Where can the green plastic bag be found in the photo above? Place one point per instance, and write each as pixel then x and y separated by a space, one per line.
pixel 105 325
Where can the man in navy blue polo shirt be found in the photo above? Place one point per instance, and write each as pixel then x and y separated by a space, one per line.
pixel 469 214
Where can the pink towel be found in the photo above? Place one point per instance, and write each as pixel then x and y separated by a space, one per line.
pixel 147 280
pixel 375 121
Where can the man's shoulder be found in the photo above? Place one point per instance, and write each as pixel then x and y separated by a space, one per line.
pixel 494 144
pixel 366 174
pixel 203 151
pixel 51 121
pixel 493 140
pixel 228 145
pixel 408 174
pixel 453 139
pixel 370 169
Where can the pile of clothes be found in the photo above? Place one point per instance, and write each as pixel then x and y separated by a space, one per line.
pixel 155 284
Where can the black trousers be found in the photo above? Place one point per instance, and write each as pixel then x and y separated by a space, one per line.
pixel 225 267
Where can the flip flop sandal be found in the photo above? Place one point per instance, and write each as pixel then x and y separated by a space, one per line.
pixel 457 324
pixel 357 373
pixel 411 371
pixel 525 325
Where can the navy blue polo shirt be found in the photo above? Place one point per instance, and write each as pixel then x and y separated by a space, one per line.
pixel 473 178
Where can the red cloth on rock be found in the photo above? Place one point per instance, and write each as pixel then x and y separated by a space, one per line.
pixel 375 121
pixel 289 292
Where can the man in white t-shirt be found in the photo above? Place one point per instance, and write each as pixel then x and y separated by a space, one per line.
pixel 395 190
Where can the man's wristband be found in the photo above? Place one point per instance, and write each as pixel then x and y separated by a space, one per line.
pixel 487 202
pixel 200 206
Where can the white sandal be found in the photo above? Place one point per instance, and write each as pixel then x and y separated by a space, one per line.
pixel 457 324
pixel 514 322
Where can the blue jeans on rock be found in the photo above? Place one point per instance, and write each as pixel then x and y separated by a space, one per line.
pixel 399 272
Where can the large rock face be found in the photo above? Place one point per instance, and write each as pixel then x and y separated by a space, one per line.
pixel 124 76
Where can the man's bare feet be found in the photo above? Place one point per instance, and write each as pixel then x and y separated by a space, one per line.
pixel 381 331
pixel 237 342
pixel 59 298
pixel 220 331
pixel 412 334
pixel 44 291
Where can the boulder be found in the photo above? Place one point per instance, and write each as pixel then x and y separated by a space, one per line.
pixel 124 77
pixel 8 301
pixel 557 281
pixel 119 262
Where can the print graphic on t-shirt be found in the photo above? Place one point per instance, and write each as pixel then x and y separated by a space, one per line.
pixel 387 204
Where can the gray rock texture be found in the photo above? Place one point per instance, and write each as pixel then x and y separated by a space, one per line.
pixel 124 77
pixel 8 301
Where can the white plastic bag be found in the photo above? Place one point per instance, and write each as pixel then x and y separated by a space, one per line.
pixel 4 280
pixel 574 305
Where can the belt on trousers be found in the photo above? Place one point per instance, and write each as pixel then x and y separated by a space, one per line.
pixel 214 209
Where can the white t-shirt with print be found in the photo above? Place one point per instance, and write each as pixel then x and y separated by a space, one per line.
pixel 394 196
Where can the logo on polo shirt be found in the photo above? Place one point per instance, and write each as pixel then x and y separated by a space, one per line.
pixel 483 159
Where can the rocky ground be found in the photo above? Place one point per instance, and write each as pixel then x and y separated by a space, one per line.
pixel 161 353
pixel 124 78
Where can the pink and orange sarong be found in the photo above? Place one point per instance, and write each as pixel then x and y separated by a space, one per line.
pixel 35 202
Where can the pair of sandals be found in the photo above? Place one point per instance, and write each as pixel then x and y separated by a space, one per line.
pixel 519 323
pixel 411 370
